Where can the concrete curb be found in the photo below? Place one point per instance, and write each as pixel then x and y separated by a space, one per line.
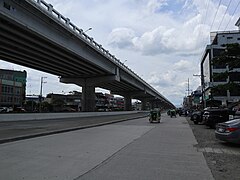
pixel 12 139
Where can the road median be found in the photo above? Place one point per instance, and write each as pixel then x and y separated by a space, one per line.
pixel 20 130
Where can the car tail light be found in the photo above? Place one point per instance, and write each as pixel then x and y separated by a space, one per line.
pixel 231 129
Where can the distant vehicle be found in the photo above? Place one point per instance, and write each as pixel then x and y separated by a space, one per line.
pixel 155 116
pixel 9 109
pixel 19 110
pixel 180 111
pixel 3 109
pixel 197 117
pixel 228 131
pixel 213 116
pixel 68 109
pixel 173 113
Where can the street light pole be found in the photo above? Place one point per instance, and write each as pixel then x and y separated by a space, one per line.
pixel 89 29
pixel 40 96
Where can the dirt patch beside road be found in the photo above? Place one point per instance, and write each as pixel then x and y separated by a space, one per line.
pixel 222 158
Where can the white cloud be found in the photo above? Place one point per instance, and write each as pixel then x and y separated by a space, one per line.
pixel 162 40
pixel 182 40
pixel 155 5
pixel 165 79
pixel 183 66
pixel 121 38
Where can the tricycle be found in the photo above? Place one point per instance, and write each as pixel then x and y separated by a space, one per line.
pixel 173 113
pixel 155 116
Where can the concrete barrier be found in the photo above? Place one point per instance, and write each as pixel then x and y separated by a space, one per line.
pixel 39 116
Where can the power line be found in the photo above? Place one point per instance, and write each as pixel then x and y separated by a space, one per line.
pixel 206 12
pixel 205 39
pixel 232 15
pixel 204 20
pixel 224 14
pixel 185 5
pixel 215 15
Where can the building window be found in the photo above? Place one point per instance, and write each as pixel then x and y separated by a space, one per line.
pixel 219 77
pixel 18 90
pixel 218 52
pixel 234 76
pixel 229 37
pixel 218 65
pixel 218 92
pixel 235 92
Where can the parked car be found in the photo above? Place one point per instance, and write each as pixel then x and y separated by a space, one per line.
pixel 68 109
pixel 3 109
pixel 197 117
pixel 19 110
pixel 180 111
pixel 9 109
pixel 213 116
pixel 228 131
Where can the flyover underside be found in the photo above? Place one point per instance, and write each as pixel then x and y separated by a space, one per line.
pixel 33 38
pixel 19 46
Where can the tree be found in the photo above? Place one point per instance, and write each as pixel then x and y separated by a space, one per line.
pixel 230 57
pixel 46 107
pixel 58 104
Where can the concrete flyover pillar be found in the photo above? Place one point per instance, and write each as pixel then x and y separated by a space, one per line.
pixel 127 102
pixel 153 104
pixel 88 88
pixel 144 104
pixel 88 98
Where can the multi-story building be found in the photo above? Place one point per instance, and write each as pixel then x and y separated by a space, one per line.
pixel 196 98
pixel 101 101
pixel 104 102
pixel 118 103
pixel 61 101
pixel 187 102
pixel 210 71
pixel 12 88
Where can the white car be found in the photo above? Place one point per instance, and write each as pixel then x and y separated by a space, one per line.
pixel 3 109
pixel 9 109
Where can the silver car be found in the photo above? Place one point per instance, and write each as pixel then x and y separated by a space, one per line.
pixel 229 131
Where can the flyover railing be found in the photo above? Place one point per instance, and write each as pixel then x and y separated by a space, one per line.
pixel 87 39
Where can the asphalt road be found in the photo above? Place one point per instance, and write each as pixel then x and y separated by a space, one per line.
pixel 24 129
pixel 129 150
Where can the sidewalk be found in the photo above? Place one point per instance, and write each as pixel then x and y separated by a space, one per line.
pixel 130 150
pixel 165 152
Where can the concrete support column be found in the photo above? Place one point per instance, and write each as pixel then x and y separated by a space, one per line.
pixel 88 98
pixel 144 104
pixel 153 104
pixel 127 103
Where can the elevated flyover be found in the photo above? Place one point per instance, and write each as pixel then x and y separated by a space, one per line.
pixel 35 35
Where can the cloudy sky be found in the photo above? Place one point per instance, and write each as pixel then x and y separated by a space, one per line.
pixel 160 40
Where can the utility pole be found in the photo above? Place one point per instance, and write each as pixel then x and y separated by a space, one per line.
pixel 188 88
pixel 40 96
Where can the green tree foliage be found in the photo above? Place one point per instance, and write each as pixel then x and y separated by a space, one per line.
pixel 231 58
pixel 46 107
